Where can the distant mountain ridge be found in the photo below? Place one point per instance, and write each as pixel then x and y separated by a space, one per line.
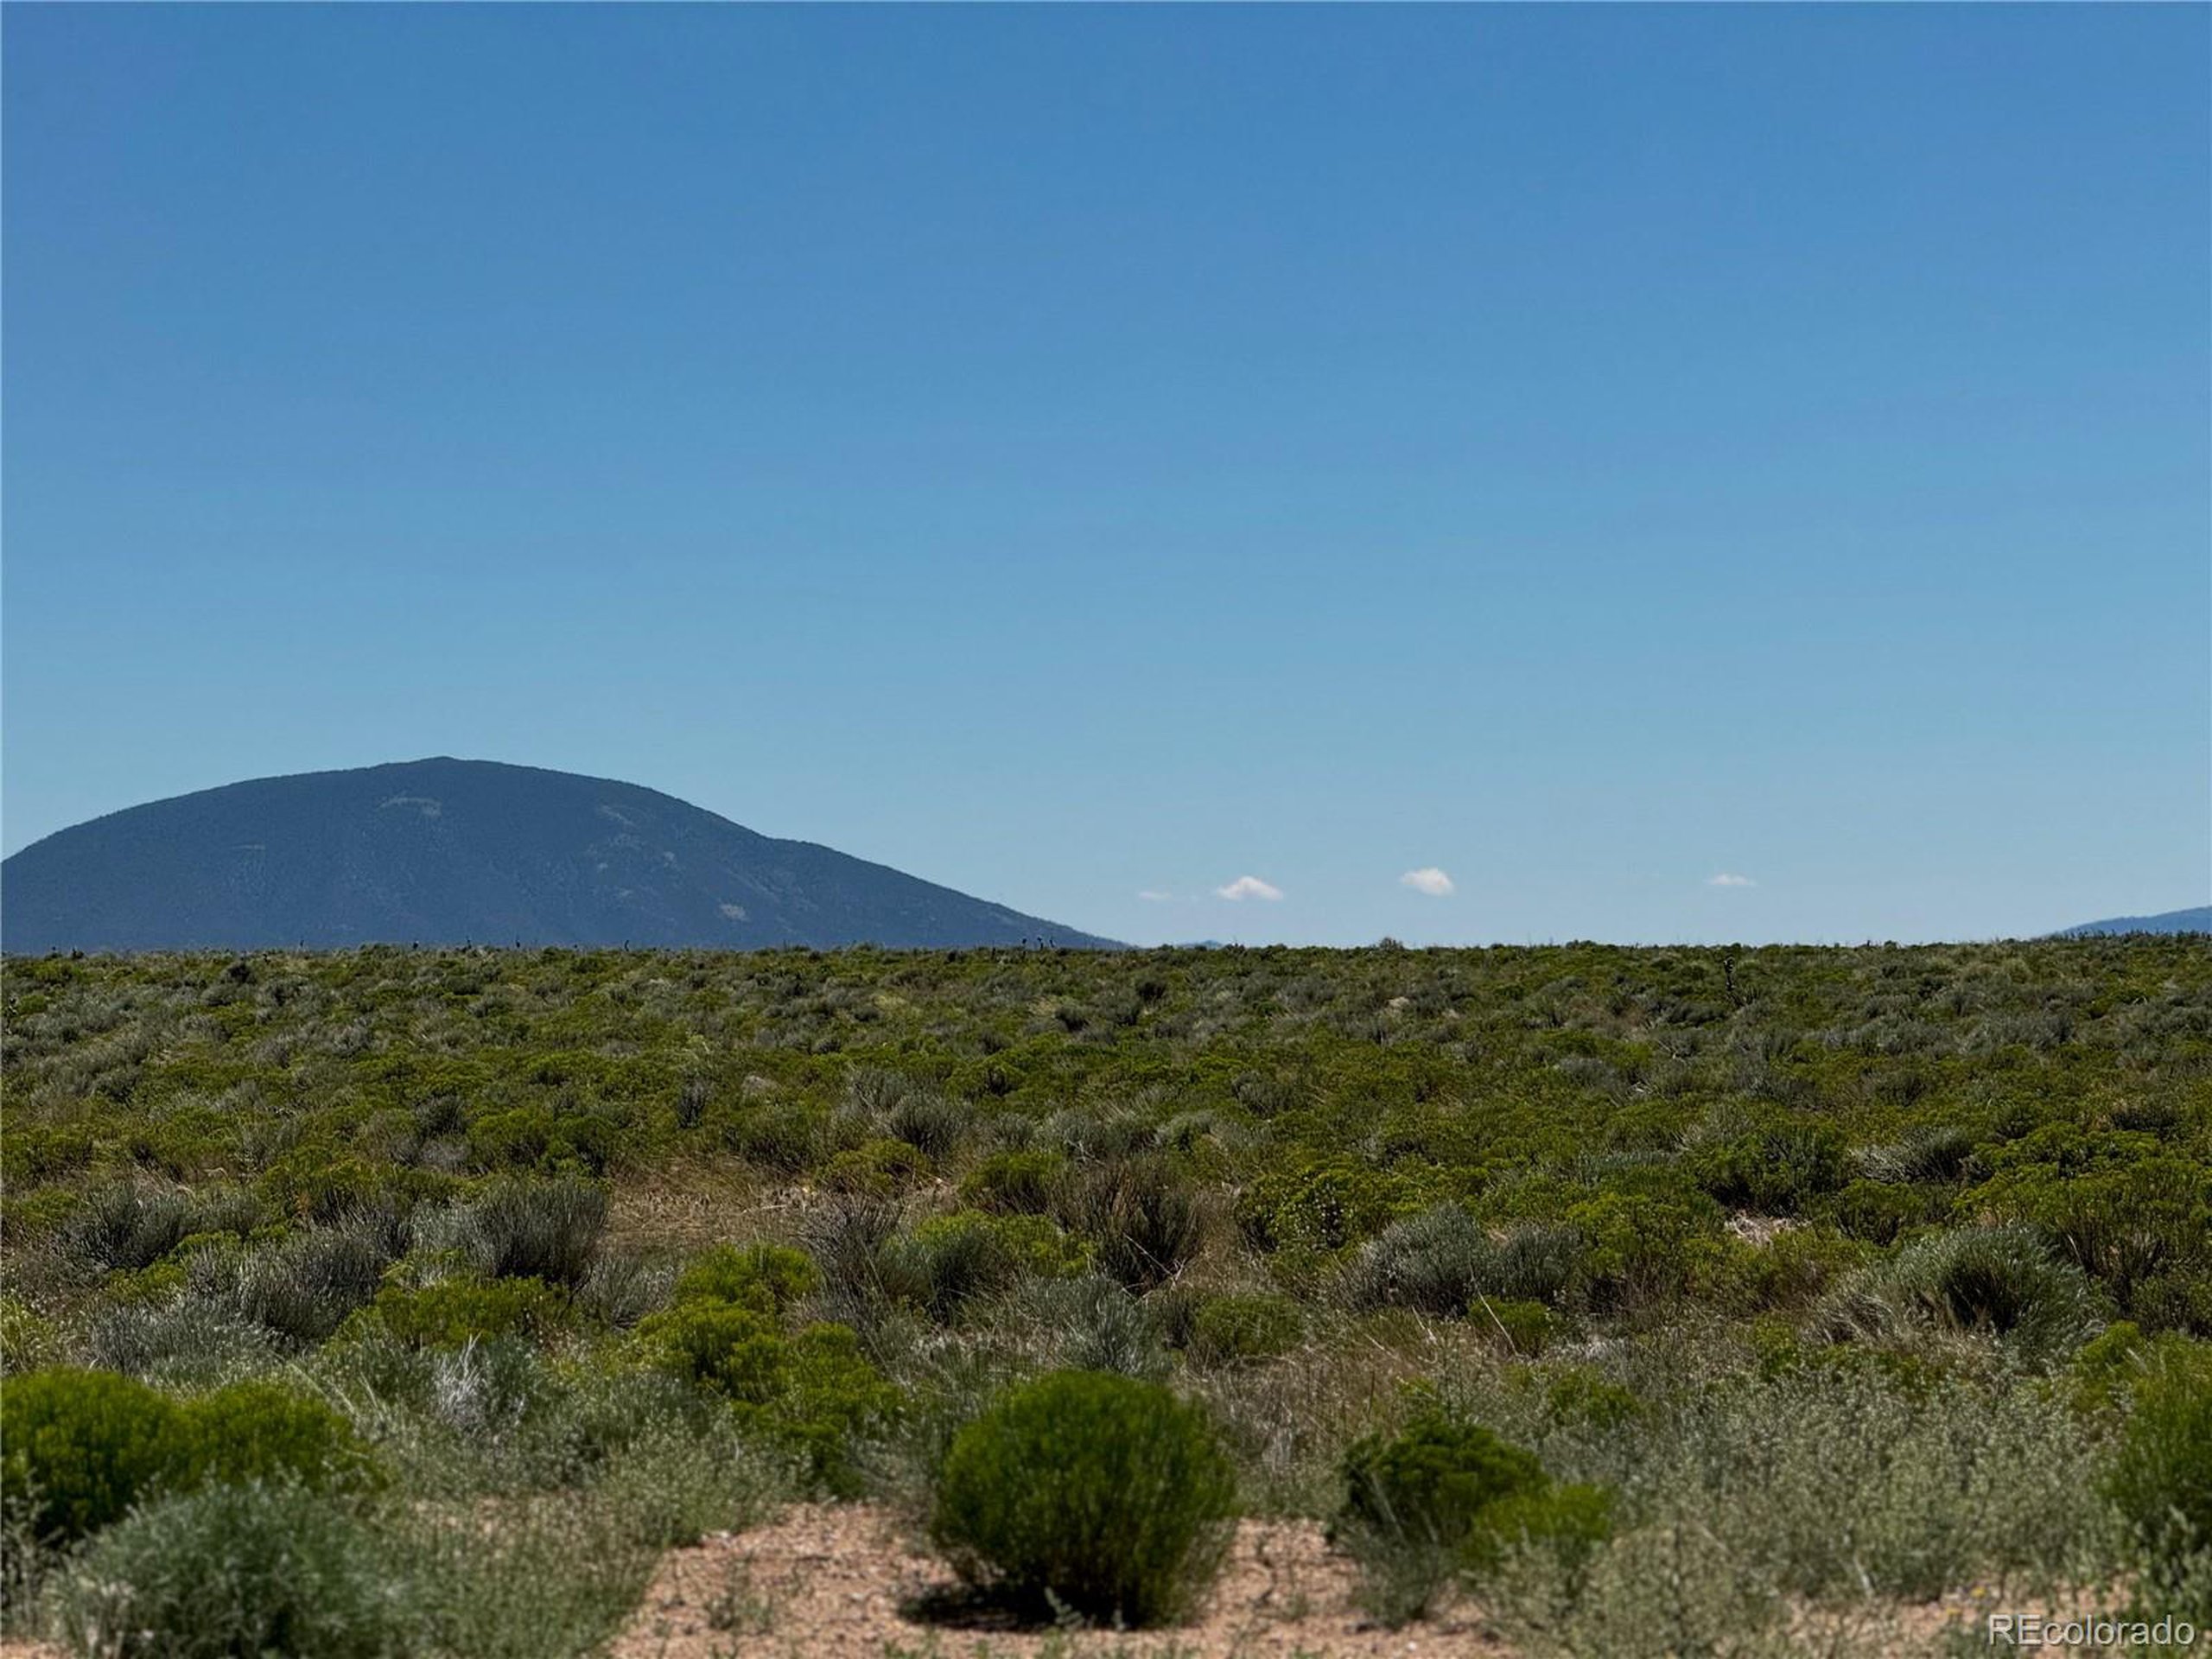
pixel 446 852
pixel 2172 921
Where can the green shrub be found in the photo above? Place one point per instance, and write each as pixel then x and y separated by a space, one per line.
pixel 1039 1247
pixel 1644 1246
pixel 773 1134
pixel 825 1399
pixel 768 1278
pixel 81 1447
pixel 2174 1299
pixel 535 1137
pixel 1144 1219
pixel 78 1448
pixel 878 1169
pixel 1570 1522
pixel 1774 1170
pixel 1014 1183
pixel 32 1154
pixel 234 1572
pixel 1998 1280
pixel 261 1431
pixel 2162 1479
pixel 718 1345
pixel 1579 1396
pixel 541 1229
pixel 1788 1270
pixel 950 1260
pixel 2106 1369
pixel 128 1225
pixel 810 1391
pixel 1522 1328
pixel 317 1182
pixel 1309 1203
pixel 451 1311
pixel 2134 1215
pixel 1444 1497
pixel 1435 1263
pixel 1877 1212
pixel 1431 1482
pixel 1244 1330
pixel 1104 1495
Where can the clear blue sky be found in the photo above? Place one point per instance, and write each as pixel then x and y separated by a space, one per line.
pixel 1070 454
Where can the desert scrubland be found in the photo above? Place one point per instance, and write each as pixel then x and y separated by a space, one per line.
pixel 1566 1300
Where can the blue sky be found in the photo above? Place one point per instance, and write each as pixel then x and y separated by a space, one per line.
pixel 1078 454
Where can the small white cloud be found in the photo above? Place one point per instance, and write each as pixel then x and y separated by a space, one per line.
pixel 1154 896
pixel 1249 887
pixel 1725 880
pixel 1432 881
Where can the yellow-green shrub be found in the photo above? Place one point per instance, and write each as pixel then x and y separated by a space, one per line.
pixel 1239 1329
pixel 78 1448
pixel 809 1390
pixel 1020 1182
pixel 450 1313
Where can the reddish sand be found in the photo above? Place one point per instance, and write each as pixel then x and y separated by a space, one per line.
pixel 840 1580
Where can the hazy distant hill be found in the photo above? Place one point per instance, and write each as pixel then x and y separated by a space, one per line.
pixel 2172 921
pixel 449 851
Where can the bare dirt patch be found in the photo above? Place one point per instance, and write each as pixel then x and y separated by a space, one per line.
pixel 844 1579
pixel 686 1207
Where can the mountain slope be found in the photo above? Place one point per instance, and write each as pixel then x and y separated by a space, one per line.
pixel 447 851
pixel 2172 921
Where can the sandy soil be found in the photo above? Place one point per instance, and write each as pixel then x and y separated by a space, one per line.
pixel 840 1580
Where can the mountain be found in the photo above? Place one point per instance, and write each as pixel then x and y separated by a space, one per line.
pixel 446 852
pixel 2172 921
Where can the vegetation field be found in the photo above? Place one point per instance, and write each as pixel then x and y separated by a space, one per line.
pixel 1573 1301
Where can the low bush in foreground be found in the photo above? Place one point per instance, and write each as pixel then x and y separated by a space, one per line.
pixel 77 1447
pixel 1104 1496
pixel 261 1431
pixel 1443 1496
pixel 233 1573
pixel 82 1447
pixel 2162 1479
